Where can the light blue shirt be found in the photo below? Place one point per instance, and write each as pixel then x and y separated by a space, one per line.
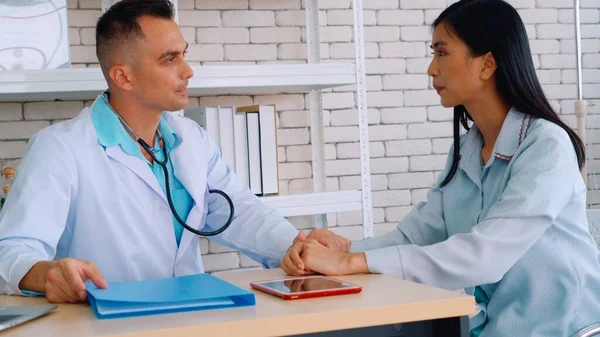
pixel 111 132
pixel 513 232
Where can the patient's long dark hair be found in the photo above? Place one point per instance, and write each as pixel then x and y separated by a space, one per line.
pixel 495 26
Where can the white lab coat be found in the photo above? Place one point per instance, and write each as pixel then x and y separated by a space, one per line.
pixel 73 198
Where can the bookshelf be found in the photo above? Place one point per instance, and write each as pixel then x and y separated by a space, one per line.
pixel 315 203
pixel 87 83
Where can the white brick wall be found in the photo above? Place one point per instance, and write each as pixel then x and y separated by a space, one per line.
pixel 391 198
pixel 355 218
pixel 248 18
pixel 410 133
pixel 385 66
pixel 346 50
pixel 52 110
pixel 403 115
pixel 191 18
pixel 11 112
pixel 546 15
pixel 274 35
pixel 350 117
pixel 248 52
pixel 341 134
pixel 352 150
pixel 297 18
pixel 400 17
pixel 407 147
pixel 382 33
pixel 402 49
pixel 20 130
pixel 341 17
pixel 422 4
pixel 379 182
pixel 555 31
pixel 222 35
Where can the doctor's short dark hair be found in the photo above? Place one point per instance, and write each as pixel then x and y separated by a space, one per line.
pixel 118 27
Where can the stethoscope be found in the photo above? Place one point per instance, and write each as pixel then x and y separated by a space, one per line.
pixel 163 164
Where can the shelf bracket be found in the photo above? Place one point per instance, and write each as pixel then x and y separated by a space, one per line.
pixel 317 138
pixel 363 121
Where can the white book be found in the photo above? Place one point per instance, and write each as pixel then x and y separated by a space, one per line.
pixel 197 114
pixel 268 149
pixel 226 136
pixel 211 124
pixel 207 117
pixel 240 136
pixel 254 161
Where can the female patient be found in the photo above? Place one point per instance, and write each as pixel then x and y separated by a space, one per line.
pixel 507 218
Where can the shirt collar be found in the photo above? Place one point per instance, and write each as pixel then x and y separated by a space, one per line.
pixel 513 132
pixel 110 132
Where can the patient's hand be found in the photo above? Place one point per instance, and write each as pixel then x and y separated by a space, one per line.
pixel 292 263
pixel 330 240
pixel 312 255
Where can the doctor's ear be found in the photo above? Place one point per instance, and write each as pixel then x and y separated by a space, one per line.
pixel 120 75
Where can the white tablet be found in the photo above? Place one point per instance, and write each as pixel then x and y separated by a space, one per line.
pixel 11 316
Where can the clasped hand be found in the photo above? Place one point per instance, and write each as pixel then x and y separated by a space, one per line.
pixel 324 252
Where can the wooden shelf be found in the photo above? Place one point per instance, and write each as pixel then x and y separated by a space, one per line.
pixel 315 203
pixel 87 83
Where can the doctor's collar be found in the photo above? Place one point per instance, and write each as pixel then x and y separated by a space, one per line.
pixel 167 133
pixel 110 132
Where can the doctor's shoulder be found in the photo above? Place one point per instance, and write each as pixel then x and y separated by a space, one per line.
pixel 55 143
pixel 60 132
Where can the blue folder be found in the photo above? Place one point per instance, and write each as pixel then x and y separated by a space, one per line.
pixel 176 294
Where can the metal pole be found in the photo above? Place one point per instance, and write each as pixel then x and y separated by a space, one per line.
pixel 580 104
pixel 317 138
pixel 363 123
pixel 578 49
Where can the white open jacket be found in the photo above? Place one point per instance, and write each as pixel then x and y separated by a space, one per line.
pixel 73 198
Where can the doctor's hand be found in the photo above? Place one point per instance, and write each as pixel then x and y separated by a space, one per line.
pixel 327 238
pixel 63 280
pixel 312 255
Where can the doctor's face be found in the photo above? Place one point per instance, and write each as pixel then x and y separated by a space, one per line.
pixel 455 72
pixel 160 72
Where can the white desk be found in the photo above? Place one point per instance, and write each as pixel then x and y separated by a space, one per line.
pixel 383 301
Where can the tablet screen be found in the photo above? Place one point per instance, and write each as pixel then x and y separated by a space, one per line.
pixel 14 315
pixel 304 284
pixel 6 318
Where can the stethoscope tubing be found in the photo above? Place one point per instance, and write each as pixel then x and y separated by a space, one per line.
pixel 163 164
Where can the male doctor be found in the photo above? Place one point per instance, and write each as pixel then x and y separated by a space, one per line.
pixel 89 203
